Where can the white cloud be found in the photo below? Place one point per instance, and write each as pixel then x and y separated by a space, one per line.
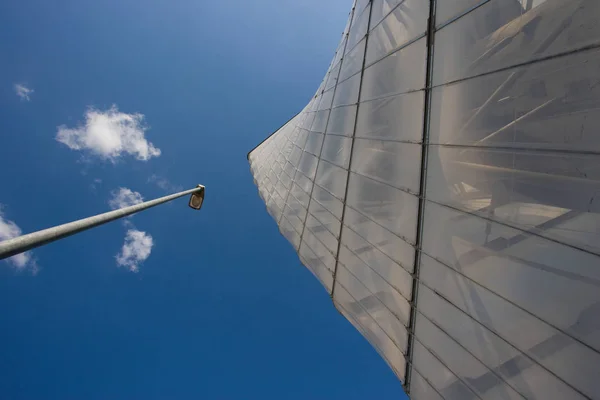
pixel 110 134
pixel 9 230
pixel 164 184
pixel 94 185
pixel 135 250
pixel 127 223
pixel 23 92
pixel 124 197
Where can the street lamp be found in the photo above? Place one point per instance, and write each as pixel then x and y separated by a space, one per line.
pixel 20 244
pixel 197 198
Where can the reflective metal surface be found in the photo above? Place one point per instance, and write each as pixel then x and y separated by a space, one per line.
pixel 443 184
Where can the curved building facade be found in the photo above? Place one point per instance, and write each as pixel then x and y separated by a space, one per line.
pixel 443 184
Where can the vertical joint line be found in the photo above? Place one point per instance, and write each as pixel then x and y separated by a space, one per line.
pixel 422 192
pixel 314 97
pixel 362 72
pixel 289 190
pixel 347 35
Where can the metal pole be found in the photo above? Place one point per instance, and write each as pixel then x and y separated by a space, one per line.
pixel 30 241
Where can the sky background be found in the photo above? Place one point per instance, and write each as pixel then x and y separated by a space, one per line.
pixel 211 304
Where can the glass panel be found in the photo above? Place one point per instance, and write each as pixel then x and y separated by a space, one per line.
pixel 286 150
pixel 380 9
pixel 280 162
pixel 520 371
pixel 342 120
pixel 307 124
pixel 302 181
pixel 547 193
pixel 370 304
pixel 390 244
pixel 320 121
pixel 500 34
pixel 397 164
pixel 333 77
pixel 347 91
pixel 339 52
pixel 392 118
pixel 420 389
pixel 442 379
pixel 277 168
pixel 389 207
pixel 405 23
pixel 350 19
pixel 321 233
pixel 386 294
pixel 294 211
pixel 358 29
pixel 324 255
pixel 399 72
pixel 316 100
pixel 262 193
pixel 300 195
pixel 272 176
pixel 326 218
pixel 448 9
pixel 294 135
pixel 377 261
pixel 328 201
pixel 267 187
pixel 332 178
pixel 314 265
pixel 460 362
pixel 302 137
pixel 326 100
pixel 289 169
pixel 567 358
pixel 262 166
pixel 371 331
pixel 314 143
pixel 286 180
pixel 265 168
pixel 295 156
pixel 353 61
pixel 525 269
pixel 278 196
pixel 547 105
pixel 273 209
pixel 290 233
pixel 360 5
pixel 337 150
pixel 308 164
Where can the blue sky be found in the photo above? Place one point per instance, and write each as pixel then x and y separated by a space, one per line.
pixel 211 304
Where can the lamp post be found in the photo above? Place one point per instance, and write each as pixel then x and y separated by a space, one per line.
pixel 30 241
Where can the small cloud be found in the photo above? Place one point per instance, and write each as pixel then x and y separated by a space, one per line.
pixel 23 92
pixel 9 230
pixel 109 134
pixel 124 197
pixel 164 184
pixel 135 250
pixel 94 185
pixel 127 223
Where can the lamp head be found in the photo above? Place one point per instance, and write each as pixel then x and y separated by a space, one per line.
pixel 197 198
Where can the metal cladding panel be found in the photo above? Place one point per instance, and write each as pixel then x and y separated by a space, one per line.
pixel 443 184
